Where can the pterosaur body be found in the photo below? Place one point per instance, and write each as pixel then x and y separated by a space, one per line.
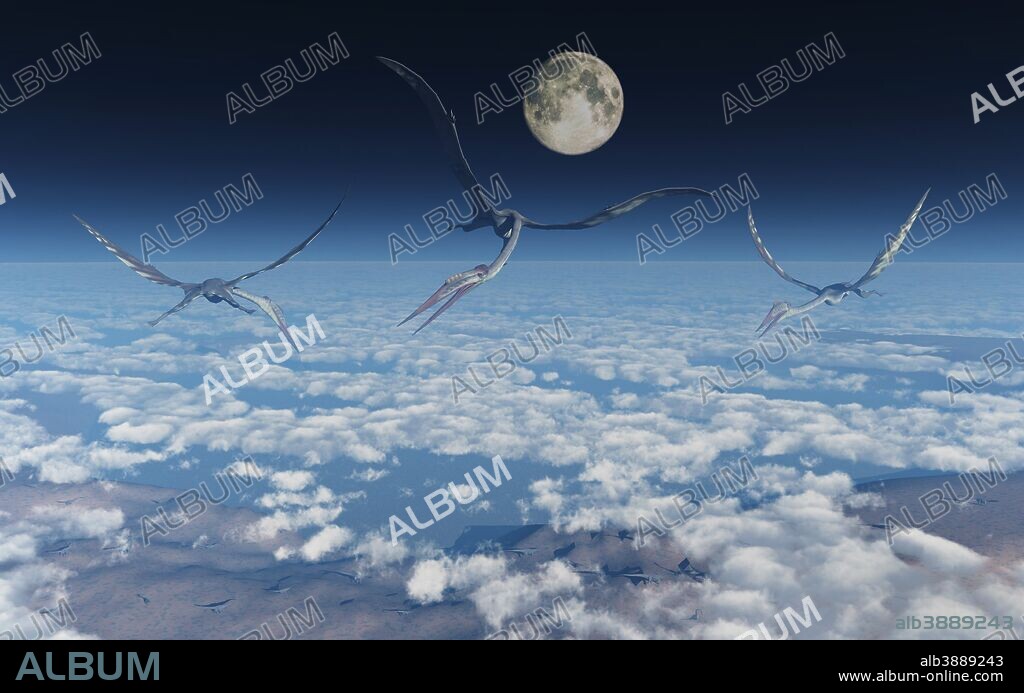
pixel 124 548
pixel 351 576
pixel 215 607
pixel 400 612
pixel 506 223
pixel 975 501
pixel 213 290
pixel 278 587
pixel 59 550
pixel 832 294
pixel 520 553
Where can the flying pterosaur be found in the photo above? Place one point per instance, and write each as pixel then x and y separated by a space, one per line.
pixel 213 290
pixel 520 553
pixel 351 576
pixel 833 293
pixel 975 501
pixel 215 607
pixel 506 223
pixel 59 550
pixel 124 548
pixel 400 612
pixel 278 587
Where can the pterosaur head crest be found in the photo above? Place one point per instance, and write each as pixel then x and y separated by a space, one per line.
pixel 461 279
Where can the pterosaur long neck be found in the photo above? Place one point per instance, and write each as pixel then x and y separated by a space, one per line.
pixel 813 303
pixel 510 245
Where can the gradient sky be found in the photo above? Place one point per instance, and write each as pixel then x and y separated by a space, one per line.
pixel 839 159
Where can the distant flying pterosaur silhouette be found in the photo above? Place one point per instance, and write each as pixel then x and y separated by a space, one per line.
pixel 507 223
pixel 59 550
pixel 213 290
pixel 400 612
pixel 520 553
pixel 70 501
pixel 354 578
pixel 975 501
pixel 833 293
pixel 215 607
pixel 277 587
pixel 124 548
pixel 145 599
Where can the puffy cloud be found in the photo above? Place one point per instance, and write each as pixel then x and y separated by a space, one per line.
pixel 326 541
pixel 295 480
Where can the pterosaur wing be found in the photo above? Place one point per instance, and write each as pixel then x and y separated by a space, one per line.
pixel 270 308
pixel 617 210
pixel 767 257
pixel 888 255
pixel 291 253
pixel 444 124
pixel 190 295
pixel 136 265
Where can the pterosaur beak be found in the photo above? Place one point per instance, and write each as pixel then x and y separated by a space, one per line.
pixel 455 287
pixel 441 293
pixel 776 313
pixel 459 293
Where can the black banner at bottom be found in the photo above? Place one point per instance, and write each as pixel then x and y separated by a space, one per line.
pixel 215 663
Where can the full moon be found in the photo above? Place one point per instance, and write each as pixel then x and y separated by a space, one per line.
pixel 579 108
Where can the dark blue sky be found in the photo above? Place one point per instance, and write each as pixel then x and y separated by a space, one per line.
pixel 839 159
